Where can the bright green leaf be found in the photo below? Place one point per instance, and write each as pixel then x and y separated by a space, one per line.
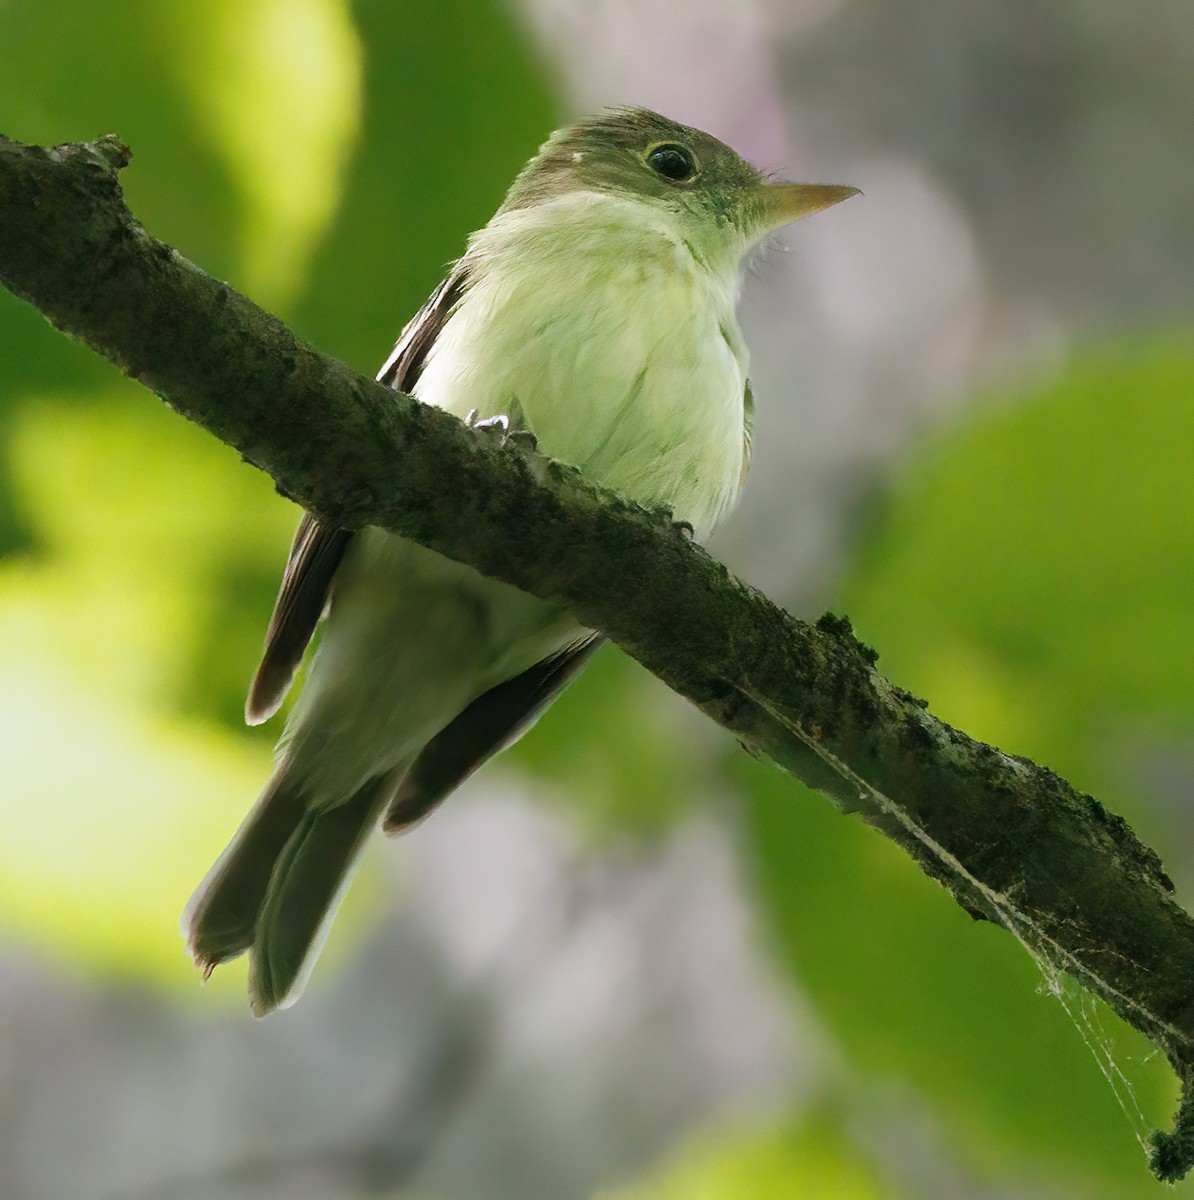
pixel 813 1162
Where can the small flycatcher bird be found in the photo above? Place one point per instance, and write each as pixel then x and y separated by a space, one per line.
pixel 596 312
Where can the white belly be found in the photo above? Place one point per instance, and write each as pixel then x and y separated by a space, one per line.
pixel 411 640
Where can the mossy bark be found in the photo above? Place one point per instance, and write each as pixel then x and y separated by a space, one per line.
pixel 1012 841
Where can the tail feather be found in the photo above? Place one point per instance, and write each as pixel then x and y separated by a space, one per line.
pixel 307 884
pixel 220 919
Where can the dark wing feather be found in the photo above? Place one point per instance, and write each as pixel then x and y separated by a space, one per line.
pixel 405 363
pixel 318 548
pixel 748 432
pixel 314 556
pixel 492 722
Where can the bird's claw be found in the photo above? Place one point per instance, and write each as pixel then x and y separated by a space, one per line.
pixel 498 428
pixel 501 421
pixel 663 514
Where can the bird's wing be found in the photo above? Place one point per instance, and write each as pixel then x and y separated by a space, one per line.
pixel 748 433
pixel 502 715
pixel 493 721
pixel 314 556
pixel 405 363
pixel 318 548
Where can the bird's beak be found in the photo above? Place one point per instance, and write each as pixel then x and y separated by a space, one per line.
pixel 786 202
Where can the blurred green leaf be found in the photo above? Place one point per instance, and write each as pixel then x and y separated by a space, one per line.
pixel 1030 574
pixel 130 625
pixel 619 751
pixel 809 1162
pixel 113 802
pixel 1049 535
pixel 273 87
pixel 454 103
pixel 917 991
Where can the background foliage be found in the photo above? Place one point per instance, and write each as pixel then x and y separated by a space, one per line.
pixel 638 964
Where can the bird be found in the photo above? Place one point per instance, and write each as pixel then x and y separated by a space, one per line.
pixel 595 313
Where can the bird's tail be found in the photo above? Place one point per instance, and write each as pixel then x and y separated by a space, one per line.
pixel 277 886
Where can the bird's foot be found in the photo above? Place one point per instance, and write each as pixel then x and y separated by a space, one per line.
pixel 663 514
pixel 498 429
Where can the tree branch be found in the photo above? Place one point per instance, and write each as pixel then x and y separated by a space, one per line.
pixel 1013 842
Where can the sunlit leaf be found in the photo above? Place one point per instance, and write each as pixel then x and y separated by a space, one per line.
pixel 456 103
pixel 812 1162
pixel 130 624
pixel 275 88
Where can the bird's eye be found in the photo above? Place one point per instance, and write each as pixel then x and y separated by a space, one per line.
pixel 672 161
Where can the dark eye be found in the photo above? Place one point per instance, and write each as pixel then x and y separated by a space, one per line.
pixel 672 161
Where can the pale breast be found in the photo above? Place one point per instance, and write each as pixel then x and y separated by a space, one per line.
pixel 600 332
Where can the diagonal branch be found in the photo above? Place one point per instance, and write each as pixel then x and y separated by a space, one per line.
pixel 1013 842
